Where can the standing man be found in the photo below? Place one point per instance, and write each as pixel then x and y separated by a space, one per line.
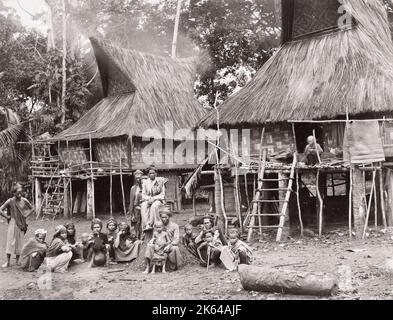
pixel 134 210
pixel 19 209
pixel 153 196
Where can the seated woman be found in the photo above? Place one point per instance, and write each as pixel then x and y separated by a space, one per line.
pixel 75 246
pixel 34 251
pixel 97 246
pixel 126 245
pixel 158 243
pixel 237 252
pixel 59 253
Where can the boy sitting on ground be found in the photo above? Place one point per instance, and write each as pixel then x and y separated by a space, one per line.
pixel 213 247
pixel 237 252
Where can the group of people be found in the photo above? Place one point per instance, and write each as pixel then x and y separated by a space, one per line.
pixel 121 242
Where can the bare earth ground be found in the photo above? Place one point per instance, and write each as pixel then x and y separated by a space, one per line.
pixel 369 278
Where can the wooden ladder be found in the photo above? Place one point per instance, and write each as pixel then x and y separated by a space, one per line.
pixel 258 201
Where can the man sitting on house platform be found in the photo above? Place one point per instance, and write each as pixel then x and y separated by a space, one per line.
pixel 312 152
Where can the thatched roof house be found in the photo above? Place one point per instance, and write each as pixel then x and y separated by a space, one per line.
pixel 141 91
pixel 320 71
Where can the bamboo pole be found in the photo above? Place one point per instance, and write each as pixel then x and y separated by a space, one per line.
pixel 381 193
pixel 92 175
pixel 350 201
pixel 262 153
pixel 176 29
pixel 246 189
pixel 299 208
pixel 369 205
pixel 218 164
pixel 122 186
pixel 316 147
pixel 237 198
pixel 320 205
pixel 110 182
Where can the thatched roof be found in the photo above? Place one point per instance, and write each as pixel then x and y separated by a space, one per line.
pixel 142 91
pixel 322 76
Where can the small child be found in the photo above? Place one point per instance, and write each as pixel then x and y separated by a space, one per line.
pixel 188 240
pixel 85 237
pixel 112 231
pixel 237 252
pixel 213 249
pixel 159 242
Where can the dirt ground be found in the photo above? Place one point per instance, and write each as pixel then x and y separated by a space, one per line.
pixel 366 259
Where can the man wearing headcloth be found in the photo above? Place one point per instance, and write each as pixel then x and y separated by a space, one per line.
pixel 134 210
pixel 34 251
pixel 153 196
pixel 174 256
pixel 19 209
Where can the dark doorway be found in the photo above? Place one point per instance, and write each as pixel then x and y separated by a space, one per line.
pixel 304 130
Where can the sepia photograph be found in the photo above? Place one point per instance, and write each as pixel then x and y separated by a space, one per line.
pixel 219 152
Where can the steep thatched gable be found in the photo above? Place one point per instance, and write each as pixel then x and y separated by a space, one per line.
pixel 142 91
pixel 321 76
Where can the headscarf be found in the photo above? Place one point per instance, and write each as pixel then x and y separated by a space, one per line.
pixel 111 220
pixel 59 229
pixel 127 229
pixel 40 231
pixel 138 173
pixel 95 221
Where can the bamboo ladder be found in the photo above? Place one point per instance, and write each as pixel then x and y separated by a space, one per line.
pixel 258 201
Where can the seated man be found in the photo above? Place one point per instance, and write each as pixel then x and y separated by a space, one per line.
pixel 311 152
pixel 174 260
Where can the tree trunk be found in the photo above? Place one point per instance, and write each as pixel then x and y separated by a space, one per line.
pixel 358 202
pixel 254 278
pixel 64 85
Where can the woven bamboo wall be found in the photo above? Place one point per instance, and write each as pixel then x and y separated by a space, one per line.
pixel 111 150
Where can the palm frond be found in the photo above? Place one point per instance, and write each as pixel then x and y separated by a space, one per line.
pixel 10 135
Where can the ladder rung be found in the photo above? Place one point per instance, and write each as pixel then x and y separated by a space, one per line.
pixel 267 215
pixel 269 201
pixel 275 189
pixel 275 180
pixel 266 227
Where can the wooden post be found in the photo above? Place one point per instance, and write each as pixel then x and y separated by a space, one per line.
pixel 237 197
pixel 193 204
pixel 179 195
pixel 38 196
pixel 319 204
pixel 299 208
pixel 389 196
pixel 369 206
pixel 350 201
pixel 92 196
pixel 358 203
pixel 122 186
pixel 90 199
pixel 382 198
pixel 66 205
pixel 315 144
pixel 110 181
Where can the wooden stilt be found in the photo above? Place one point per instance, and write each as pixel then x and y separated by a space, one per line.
pixel 369 206
pixel 122 187
pixel 350 201
pixel 315 142
pixel 90 199
pixel 237 198
pixel 246 190
pixel 261 155
pixel 320 211
pixel 382 200
pixel 66 205
pixel 299 208
pixel 193 205
pixel 110 182
pixel 38 197
pixel 358 201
